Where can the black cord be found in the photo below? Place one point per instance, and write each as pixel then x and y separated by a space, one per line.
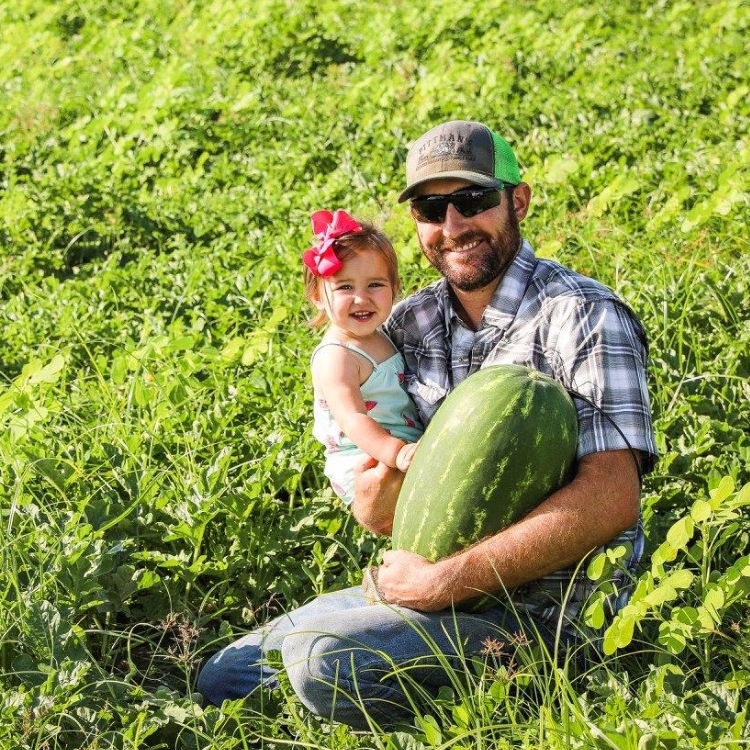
pixel 601 411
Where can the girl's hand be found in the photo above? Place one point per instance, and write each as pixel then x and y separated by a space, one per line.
pixel 405 455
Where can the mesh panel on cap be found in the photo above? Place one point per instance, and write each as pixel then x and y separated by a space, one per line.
pixel 506 166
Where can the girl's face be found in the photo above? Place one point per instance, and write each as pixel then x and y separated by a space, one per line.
pixel 357 299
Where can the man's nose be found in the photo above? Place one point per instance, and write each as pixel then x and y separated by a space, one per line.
pixel 454 223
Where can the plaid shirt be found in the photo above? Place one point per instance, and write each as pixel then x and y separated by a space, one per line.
pixel 570 327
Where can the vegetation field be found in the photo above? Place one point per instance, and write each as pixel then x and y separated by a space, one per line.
pixel 160 490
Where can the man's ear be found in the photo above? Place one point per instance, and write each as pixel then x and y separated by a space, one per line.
pixel 521 200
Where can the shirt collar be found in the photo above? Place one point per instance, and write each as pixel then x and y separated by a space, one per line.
pixel 507 298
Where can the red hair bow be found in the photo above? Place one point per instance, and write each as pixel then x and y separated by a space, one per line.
pixel 328 227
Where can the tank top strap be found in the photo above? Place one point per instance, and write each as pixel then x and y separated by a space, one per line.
pixel 389 340
pixel 355 349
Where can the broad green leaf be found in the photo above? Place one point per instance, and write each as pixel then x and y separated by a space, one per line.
pixel 663 672
pixel 232 350
pixel 119 370
pixel 740 569
pixel 705 619
pixel 461 715
pixel 257 347
pixel 739 726
pixel 30 369
pixel 616 554
pixel 722 492
pixel 36 372
pixel 685 615
pixel 181 343
pixel 55 471
pixel 499 690
pixel 609 642
pixel 680 533
pixel 700 511
pixel 743 496
pixel 50 372
pixel 146 579
pixel 619 634
pixel 430 728
pixel 661 594
pixel 644 585
pixel 672 637
pixel 176 712
pixel 594 613
pixel 713 603
pixel 278 315
pixel 664 553
pixel 140 392
pixel 23 424
pixel 8 399
pixel 596 567
pixel 680 579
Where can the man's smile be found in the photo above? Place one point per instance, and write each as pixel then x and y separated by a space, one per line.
pixel 465 247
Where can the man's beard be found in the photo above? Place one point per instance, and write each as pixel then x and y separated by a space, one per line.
pixel 503 248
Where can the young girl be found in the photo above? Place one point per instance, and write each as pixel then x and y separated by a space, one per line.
pixel 361 408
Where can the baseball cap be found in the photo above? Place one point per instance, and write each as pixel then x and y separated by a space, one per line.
pixel 464 150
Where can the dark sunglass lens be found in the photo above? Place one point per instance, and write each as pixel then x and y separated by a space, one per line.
pixel 430 209
pixel 473 203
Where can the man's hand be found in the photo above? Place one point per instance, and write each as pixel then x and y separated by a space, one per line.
pixel 376 488
pixel 412 581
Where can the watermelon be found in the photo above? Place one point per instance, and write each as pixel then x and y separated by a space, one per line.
pixel 501 442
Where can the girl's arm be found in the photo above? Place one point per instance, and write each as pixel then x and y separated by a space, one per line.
pixel 336 376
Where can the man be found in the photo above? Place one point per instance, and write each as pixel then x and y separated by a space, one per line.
pixel 496 303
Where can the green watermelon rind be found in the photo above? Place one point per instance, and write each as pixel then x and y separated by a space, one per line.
pixel 502 442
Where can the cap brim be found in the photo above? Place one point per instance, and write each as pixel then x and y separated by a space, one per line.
pixel 475 178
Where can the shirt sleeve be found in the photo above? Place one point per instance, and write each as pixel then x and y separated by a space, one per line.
pixel 603 346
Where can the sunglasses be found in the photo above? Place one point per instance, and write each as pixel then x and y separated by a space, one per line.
pixel 468 201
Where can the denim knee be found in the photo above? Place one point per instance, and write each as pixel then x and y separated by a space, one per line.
pixel 211 684
pixel 235 672
pixel 314 667
pixel 338 680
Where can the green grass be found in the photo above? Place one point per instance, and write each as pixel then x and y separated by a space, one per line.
pixel 158 163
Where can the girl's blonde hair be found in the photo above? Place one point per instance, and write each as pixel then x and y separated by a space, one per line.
pixel 368 238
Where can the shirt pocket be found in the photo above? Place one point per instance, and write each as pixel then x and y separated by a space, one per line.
pixel 427 395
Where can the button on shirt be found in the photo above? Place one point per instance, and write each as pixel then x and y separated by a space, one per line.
pixel 547 317
pixel 462 341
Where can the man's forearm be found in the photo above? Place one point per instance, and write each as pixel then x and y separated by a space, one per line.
pixel 598 504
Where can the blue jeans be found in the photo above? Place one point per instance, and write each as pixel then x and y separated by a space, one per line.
pixel 339 652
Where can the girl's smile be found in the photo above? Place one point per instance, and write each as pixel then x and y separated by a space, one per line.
pixel 358 299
